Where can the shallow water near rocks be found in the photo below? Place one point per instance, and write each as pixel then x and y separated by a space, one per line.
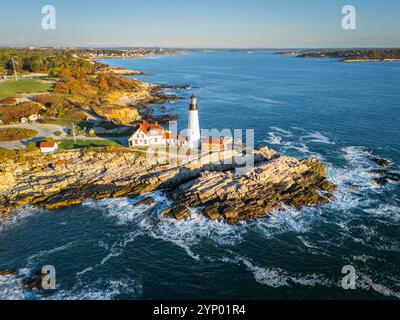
pixel 343 114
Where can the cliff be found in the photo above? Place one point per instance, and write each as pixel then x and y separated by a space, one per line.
pixel 117 114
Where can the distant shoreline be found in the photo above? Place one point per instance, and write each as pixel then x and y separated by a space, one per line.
pixel 354 55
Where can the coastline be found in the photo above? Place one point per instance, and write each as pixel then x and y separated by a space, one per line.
pixel 69 178
pixel 348 55
pixel 64 179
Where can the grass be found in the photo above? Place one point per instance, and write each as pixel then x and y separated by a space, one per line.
pixel 11 88
pixel 16 134
pixel 68 123
pixel 80 144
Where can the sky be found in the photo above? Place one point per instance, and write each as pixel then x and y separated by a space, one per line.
pixel 201 23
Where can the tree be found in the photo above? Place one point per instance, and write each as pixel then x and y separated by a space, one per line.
pixel 2 70
pixel 103 85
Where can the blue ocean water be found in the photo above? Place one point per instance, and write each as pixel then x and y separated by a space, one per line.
pixel 341 113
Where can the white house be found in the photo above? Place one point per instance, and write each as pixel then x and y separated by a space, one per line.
pixel 24 120
pixel 48 146
pixel 33 117
pixel 154 135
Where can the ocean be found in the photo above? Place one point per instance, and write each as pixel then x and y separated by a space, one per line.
pixel 341 113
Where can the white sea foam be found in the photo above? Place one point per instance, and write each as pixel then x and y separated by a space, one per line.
pixel 365 282
pixel 114 250
pixel 99 290
pixel 35 258
pixel 189 232
pixel 386 211
pixel 276 277
pixel 317 137
pixel 284 132
pixel 18 216
pixel 11 288
pixel 288 220
pixel 288 141
pixel 185 234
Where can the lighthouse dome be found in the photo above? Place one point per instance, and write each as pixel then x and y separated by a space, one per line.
pixel 193 102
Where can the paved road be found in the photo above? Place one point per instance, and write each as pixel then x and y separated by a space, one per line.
pixel 48 131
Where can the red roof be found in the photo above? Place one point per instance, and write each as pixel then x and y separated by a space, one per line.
pixel 48 144
pixel 147 127
pixel 171 135
pixel 213 141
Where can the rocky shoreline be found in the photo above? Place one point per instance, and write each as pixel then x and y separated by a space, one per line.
pixel 69 178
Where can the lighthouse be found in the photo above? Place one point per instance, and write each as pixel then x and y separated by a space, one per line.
pixel 194 125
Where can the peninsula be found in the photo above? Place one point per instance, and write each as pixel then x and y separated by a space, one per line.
pixel 84 94
pixel 348 55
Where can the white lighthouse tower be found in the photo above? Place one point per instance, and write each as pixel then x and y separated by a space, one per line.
pixel 194 125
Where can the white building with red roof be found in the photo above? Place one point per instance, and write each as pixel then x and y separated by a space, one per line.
pixel 150 134
pixel 48 146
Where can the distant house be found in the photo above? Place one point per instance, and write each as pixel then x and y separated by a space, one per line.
pixel 154 135
pixel 33 117
pixel 48 146
pixel 212 144
pixel 24 120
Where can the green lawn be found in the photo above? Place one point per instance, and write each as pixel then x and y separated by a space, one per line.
pixel 70 144
pixel 12 88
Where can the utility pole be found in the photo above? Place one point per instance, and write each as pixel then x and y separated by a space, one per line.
pixel 15 70
pixel 73 132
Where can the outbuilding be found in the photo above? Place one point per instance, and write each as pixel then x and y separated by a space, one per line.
pixel 48 147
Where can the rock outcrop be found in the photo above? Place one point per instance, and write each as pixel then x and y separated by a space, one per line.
pixel 68 178
pixel 271 186
pixel 118 114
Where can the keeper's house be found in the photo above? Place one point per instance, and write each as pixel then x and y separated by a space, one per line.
pixel 155 135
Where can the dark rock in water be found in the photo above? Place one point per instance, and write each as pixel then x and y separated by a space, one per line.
pixel 393 176
pixel 145 202
pixel 176 86
pixel 380 162
pixel 386 177
pixel 381 181
pixel 380 171
pixel 34 282
pixel 165 119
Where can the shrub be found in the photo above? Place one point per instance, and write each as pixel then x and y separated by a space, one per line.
pixel 7 154
pixel 8 101
pixel 14 113
pixel 16 134
pixel 31 146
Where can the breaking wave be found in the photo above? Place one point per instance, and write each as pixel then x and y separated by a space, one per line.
pixel 99 290
pixel 150 221
pixel 18 216
pixel 276 277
